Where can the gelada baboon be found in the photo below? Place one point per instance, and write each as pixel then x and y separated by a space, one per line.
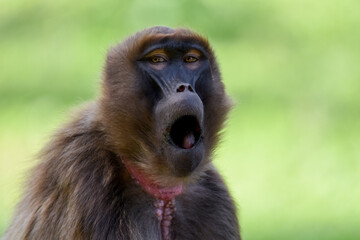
pixel 135 164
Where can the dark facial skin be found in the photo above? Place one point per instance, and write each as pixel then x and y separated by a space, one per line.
pixel 174 71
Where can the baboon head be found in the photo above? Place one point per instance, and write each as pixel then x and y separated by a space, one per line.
pixel 163 103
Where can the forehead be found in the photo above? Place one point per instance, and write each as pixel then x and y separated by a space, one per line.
pixel 174 41
pixel 173 44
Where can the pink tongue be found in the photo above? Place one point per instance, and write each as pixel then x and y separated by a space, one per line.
pixel 189 140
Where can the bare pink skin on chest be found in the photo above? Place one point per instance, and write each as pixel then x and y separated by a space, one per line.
pixel 165 211
pixel 165 199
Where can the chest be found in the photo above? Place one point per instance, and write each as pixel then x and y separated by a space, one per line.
pixel 181 218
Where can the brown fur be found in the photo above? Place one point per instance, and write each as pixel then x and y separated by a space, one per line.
pixel 81 189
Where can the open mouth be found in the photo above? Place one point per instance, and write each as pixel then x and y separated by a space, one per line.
pixel 185 132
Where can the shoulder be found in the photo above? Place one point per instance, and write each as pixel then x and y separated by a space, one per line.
pixel 76 155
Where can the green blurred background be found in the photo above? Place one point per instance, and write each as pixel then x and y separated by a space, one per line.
pixel 291 149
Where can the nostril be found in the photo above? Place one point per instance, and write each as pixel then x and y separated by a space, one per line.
pixel 190 88
pixel 181 88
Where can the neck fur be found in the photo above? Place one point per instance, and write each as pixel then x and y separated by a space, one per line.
pixel 159 192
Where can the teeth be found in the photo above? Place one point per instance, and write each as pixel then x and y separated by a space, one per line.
pixel 189 140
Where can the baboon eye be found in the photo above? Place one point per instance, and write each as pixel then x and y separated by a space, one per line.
pixel 190 59
pixel 157 59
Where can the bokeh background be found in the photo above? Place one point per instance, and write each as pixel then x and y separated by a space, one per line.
pixel 291 150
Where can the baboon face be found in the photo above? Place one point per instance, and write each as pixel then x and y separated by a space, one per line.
pixel 174 68
pixel 164 101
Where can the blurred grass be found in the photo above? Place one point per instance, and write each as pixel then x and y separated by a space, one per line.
pixel 291 150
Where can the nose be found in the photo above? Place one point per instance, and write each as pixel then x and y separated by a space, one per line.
pixel 184 87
